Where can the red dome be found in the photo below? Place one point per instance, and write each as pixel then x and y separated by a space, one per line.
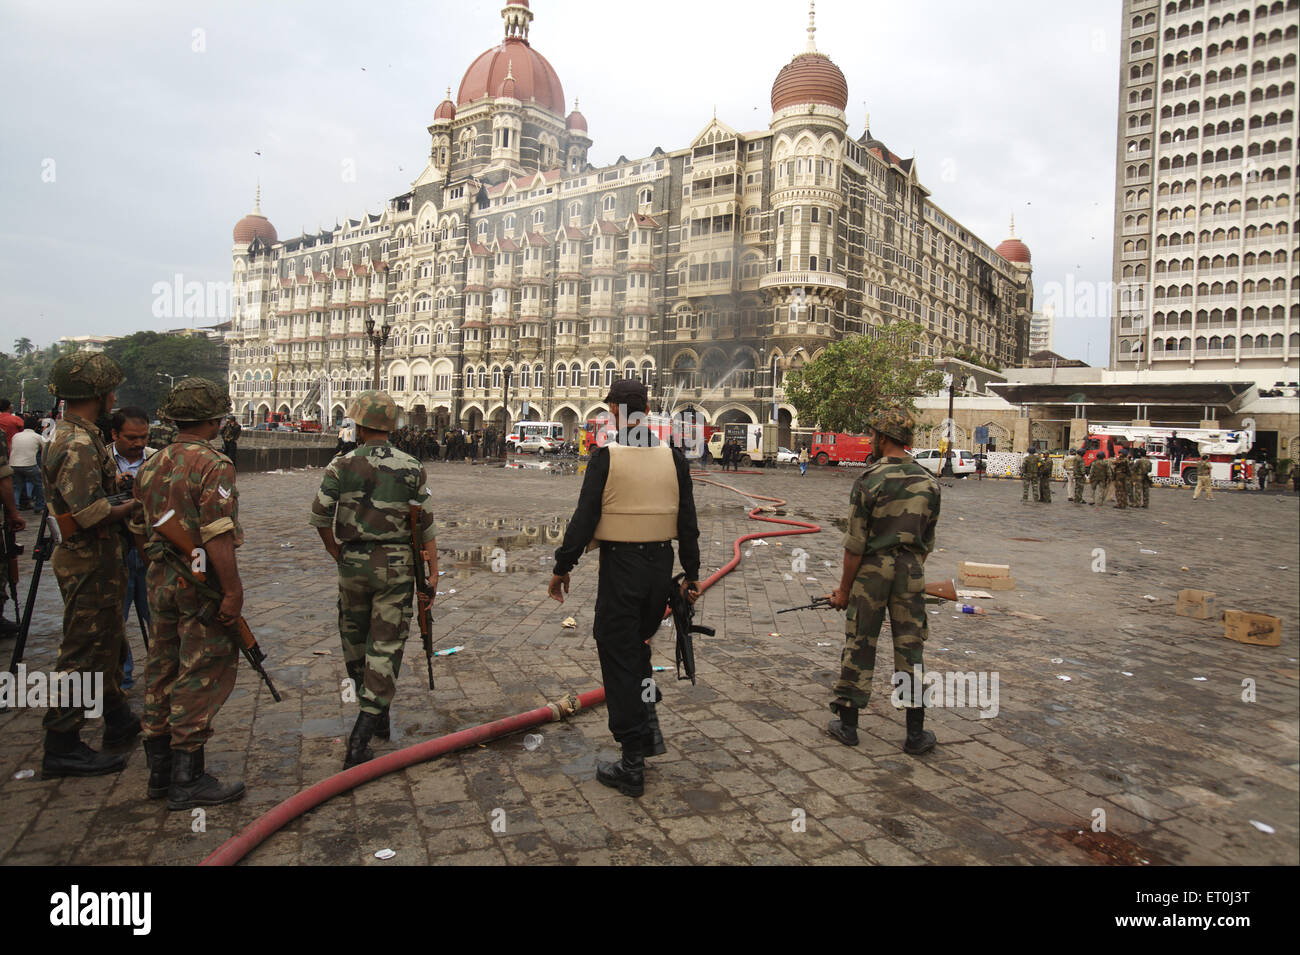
pixel 576 121
pixel 446 110
pixel 810 78
pixel 254 226
pixel 1013 250
pixel 535 80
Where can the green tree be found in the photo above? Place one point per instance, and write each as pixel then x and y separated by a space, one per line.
pixel 856 377
pixel 24 347
pixel 145 355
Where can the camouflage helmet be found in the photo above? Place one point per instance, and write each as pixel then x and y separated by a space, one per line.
pixel 894 422
pixel 195 399
pixel 375 410
pixel 84 374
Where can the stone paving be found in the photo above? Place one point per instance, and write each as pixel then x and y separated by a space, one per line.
pixel 1180 766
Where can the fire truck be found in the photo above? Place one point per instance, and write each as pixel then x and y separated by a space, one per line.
pixel 690 437
pixel 1223 447
pixel 832 447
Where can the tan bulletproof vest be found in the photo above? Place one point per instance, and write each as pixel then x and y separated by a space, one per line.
pixel 640 499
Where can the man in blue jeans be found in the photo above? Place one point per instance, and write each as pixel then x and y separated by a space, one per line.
pixel 25 458
pixel 130 436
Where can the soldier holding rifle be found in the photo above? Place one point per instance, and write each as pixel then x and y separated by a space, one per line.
pixel 894 510
pixel 80 478
pixel 363 512
pixel 186 524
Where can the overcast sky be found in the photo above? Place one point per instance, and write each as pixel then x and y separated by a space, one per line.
pixel 130 130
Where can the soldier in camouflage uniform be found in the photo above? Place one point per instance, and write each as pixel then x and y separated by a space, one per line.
pixel 1204 477
pixel 1142 478
pixel 1119 475
pixel 1045 479
pixel 1099 478
pixel 1080 478
pixel 194 653
pixel 10 524
pixel 230 432
pixel 80 476
pixel 161 434
pixel 362 513
pixel 1029 477
pixel 894 510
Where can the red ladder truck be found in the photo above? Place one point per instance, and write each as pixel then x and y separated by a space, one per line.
pixel 1223 446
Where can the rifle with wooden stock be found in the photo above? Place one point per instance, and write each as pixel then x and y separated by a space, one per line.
pixel 940 589
pixel 424 591
pixel 169 526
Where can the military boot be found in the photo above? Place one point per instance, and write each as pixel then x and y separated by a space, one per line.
pixel 384 729
pixel 628 774
pixel 359 742
pixel 158 751
pixel 191 786
pixel 654 739
pixel 121 726
pixel 67 755
pixel 919 739
pixel 845 729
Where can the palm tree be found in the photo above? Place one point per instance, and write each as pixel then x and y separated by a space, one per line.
pixel 23 346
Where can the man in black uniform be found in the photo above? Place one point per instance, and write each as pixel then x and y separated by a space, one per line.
pixel 635 497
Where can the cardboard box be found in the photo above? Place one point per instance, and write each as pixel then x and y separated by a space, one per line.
pixel 1257 629
pixel 988 576
pixel 1198 604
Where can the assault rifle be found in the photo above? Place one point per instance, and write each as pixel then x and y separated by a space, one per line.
pixel 42 550
pixel 683 611
pixel 169 526
pixel 941 590
pixel 424 592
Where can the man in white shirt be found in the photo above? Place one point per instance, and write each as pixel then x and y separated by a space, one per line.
pixel 24 450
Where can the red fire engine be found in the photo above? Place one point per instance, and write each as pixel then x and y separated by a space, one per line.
pixel 833 447
pixel 1222 446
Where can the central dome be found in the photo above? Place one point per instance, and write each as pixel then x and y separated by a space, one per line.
pixel 535 80
pixel 810 78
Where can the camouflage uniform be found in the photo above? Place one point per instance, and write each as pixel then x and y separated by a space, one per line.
pixel 161 434
pixel 1045 479
pixel 894 507
pixel 1142 476
pixel 1120 476
pixel 80 476
pixel 1099 478
pixel 365 495
pixel 193 658
pixel 1079 478
pixel 1029 477
pixel 1204 479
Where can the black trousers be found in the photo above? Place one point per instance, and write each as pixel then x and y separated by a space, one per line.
pixel 630 603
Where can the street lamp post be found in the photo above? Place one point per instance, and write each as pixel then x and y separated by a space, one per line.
pixel 22 388
pixel 378 338
pixel 505 413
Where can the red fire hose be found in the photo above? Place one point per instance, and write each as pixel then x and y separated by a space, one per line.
pixel 271 822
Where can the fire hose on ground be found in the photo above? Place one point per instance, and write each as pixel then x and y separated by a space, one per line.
pixel 262 828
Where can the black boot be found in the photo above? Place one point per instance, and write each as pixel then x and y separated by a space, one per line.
pixel 845 729
pixel 628 774
pixel 67 755
pixel 384 729
pixel 121 726
pixel 919 739
pixel 654 739
pixel 359 742
pixel 191 786
pixel 158 751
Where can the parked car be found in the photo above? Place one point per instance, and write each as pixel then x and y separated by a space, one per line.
pixel 786 456
pixel 536 443
pixel 266 426
pixel 963 462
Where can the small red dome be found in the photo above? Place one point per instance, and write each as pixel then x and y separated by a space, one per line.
pixel 446 110
pixel 810 78
pixel 1013 250
pixel 255 226
pixel 534 79
pixel 576 121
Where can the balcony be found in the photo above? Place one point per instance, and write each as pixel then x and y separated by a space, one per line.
pixel 820 279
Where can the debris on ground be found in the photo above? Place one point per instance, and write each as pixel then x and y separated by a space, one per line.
pixel 532 741
pixel 29 773
pixel 1149 597
pixel 569 623
pixel 1261 826
pixel 1060 676
pixel 1110 849
pixel 1023 615
pixel 448 652
pixel 385 854
pixel 321 653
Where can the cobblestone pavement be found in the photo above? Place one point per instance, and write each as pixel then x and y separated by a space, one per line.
pixel 1150 727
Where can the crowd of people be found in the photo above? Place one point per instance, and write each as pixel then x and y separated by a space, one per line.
pixel 428 444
